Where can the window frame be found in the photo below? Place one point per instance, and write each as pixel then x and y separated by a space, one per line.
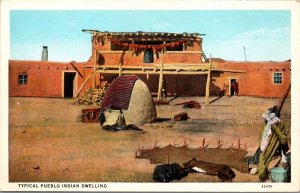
pixel 276 76
pixel 22 79
pixel 152 56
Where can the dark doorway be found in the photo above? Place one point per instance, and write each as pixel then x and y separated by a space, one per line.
pixel 232 81
pixel 69 79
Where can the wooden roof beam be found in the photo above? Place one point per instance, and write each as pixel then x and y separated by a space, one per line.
pixel 139 32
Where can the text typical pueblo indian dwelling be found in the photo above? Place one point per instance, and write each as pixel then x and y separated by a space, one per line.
pixel 163 92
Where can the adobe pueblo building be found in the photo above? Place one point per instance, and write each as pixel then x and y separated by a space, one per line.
pixel 169 63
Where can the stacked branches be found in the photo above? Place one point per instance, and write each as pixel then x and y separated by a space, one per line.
pixel 92 97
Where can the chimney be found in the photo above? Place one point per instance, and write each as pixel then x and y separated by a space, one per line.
pixel 45 53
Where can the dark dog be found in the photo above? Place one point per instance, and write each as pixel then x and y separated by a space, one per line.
pixel 224 172
pixel 181 117
pixel 121 125
pixel 168 172
pixel 116 127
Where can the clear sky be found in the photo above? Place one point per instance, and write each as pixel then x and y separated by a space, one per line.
pixel 265 34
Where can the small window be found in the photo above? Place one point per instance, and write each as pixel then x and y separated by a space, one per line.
pixel 148 56
pixel 277 77
pixel 23 79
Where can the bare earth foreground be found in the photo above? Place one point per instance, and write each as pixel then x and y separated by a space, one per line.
pixel 49 143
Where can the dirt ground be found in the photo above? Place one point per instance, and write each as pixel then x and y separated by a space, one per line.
pixel 49 143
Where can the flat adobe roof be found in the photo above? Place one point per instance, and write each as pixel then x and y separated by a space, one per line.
pixel 146 36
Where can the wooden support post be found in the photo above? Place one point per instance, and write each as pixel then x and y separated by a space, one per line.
pixel 81 87
pixel 94 69
pixel 219 143
pixel 95 63
pixel 185 144
pixel 164 92
pixel 280 104
pixel 100 81
pixel 155 144
pixel 72 64
pixel 120 69
pixel 160 82
pixel 208 83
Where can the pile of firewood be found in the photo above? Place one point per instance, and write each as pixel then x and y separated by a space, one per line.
pixel 92 97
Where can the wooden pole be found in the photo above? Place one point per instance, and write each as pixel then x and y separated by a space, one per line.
pixel 160 82
pixel 121 62
pixel 95 62
pixel 281 102
pixel 208 83
pixel 75 68
pixel 100 81
pixel 81 87
pixel 120 69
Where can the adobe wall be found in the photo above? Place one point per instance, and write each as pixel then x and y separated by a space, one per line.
pixel 131 59
pixel 257 79
pixel 191 55
pixel 45 79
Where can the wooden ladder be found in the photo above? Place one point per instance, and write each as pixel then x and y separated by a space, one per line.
pixel 204 57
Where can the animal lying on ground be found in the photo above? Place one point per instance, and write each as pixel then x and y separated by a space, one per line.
pixel 224 172
pixel 121 125
pixel 168 172
pixel 190 104
pixel 181 117
pixel 116 127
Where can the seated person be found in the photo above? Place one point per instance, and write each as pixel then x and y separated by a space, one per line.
pixel 273 142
